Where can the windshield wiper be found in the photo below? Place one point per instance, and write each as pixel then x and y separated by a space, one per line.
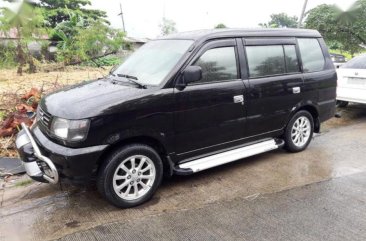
pixel 132 79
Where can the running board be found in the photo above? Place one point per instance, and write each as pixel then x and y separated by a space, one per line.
pixel 228 156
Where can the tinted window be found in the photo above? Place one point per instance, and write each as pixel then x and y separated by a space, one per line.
pixel 311 54
pixel 291 59
pixel 265 60
pixel 358 62
pixel 218 64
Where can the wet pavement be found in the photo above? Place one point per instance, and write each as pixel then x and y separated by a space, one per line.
pixel 329 210
pixel 44 212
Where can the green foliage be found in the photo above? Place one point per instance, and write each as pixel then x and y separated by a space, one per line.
pixel 346 54
pixel 344 29
pixel 2 115
pixel 7 56
pixel 80 43
pixel 167 26
pixel 58 11
pixel 104 61
pixel 220 25
pixel 28 22
pixel 281 20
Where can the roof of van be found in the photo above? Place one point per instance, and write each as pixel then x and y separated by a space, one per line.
pixel 251 32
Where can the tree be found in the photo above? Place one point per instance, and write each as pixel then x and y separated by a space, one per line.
pixel 79 43
pixel 345 29
pixel 167 27
pixel 27 23
pixel 220 25
pixel 57 11
pixel 281 20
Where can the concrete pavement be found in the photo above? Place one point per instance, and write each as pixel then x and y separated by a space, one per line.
pixel 328 210
pixel 44 212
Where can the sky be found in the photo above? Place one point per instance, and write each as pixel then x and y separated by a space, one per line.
pixel 142 17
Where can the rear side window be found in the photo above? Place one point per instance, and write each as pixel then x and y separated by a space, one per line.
pixel 265 60
pixel 218 64
pixel 311 54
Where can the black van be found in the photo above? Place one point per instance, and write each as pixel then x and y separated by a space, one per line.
pixel 182 104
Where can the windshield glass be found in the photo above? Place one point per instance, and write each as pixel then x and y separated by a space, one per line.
pixel 358 62
pixel 151 63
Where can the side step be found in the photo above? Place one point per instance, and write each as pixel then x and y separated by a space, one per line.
pixel 228 156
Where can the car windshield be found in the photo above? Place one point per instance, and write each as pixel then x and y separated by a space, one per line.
pixel 358 62
pixel 151 63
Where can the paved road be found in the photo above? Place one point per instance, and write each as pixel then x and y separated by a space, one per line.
pixel 329 210
pixel 44 212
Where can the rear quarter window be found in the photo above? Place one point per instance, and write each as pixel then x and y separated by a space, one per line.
pixel 311 54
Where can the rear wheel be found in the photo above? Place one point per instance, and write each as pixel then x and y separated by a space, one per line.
pixel 342 104
pixel 130 176
pixel 299 131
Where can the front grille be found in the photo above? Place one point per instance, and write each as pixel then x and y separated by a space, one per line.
pixel 45 118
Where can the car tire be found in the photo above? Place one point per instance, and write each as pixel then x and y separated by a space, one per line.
pixel 299 131
pixel 130 175
pixel 342 104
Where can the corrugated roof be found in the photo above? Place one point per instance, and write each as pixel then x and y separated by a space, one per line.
pixel 13 34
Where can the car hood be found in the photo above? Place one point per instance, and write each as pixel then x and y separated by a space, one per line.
pixel 91 98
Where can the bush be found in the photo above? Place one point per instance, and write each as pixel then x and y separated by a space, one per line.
pixel 104 61
pixel 7 56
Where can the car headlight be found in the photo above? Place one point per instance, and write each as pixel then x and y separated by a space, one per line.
pixel 70 130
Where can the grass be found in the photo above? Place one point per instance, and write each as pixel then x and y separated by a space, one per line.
pixel 2 115
pixel 23 183
pixel 346 54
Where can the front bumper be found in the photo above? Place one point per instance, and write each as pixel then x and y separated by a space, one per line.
pixel 46 161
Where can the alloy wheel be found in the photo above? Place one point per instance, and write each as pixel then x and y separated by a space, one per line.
pixel 134 177
pixel 300 132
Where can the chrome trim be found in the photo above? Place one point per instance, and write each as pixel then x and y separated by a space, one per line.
pixel 38 154
pixel 32 168
pixel 296 90
pixel 229 156
pixel 21 141
pixel 238 99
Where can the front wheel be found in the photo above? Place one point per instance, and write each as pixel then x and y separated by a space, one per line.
pixel 299 131
pixel 130 176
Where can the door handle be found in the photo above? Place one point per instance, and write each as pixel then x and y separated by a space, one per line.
pixel 239 99
pixel 296 90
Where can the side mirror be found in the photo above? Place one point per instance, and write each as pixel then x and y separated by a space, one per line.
pixel 192 74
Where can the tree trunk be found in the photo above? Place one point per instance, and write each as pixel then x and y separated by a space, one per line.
pixel 20 53
pixel 20 58
pixel 32 67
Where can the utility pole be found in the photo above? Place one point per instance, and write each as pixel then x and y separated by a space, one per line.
pixel 123 21
pixel 302 14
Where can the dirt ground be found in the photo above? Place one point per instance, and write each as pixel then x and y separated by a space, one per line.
pixel 36 211
pixel 12 86
pixel 11 82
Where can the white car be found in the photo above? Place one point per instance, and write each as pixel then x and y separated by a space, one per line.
pixel 352 82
